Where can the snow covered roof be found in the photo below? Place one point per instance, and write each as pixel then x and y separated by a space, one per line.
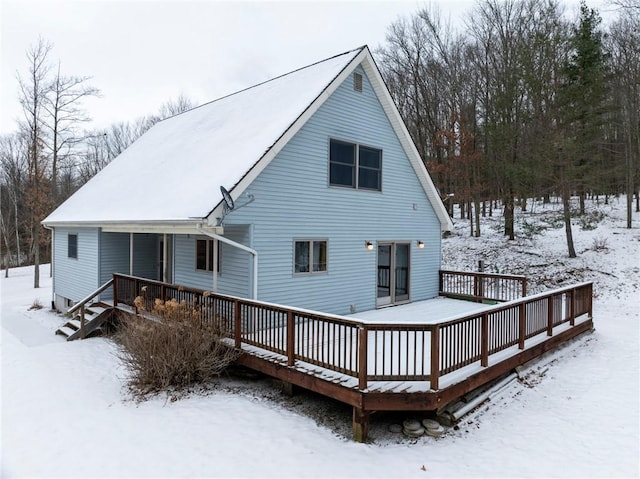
pixel 173 172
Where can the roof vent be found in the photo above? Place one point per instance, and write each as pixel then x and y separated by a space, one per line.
pixel 357 82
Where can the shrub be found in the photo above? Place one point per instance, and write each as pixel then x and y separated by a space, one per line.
pixel 599 244
pixel 172 349
pixel 36 305
pixel 590 220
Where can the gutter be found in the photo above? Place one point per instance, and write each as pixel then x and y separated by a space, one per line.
pixel 235 244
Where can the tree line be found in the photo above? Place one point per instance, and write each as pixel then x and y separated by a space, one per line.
pixel 52 153
pixel 522 102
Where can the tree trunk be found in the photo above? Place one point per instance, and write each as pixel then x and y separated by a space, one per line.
pixel 567 221
pixel 508 218
pixel 36 255
pixel 477 214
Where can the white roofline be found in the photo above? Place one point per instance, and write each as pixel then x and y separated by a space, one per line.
pixel 365 58
pixel 146 226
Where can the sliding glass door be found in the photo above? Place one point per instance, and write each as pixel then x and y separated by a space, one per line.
pixel 393 273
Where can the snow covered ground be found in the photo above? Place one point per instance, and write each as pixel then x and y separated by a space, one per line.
pixel 66 411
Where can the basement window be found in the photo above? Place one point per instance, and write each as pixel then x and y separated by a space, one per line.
pixel 72 246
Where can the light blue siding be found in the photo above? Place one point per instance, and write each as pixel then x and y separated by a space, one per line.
pixel 145 255
pixel 75 278
pixel 114 258
pixel 235 268
pixel 293 200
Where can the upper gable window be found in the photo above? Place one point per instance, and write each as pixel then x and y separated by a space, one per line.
pixel 355 166
pixel 357 82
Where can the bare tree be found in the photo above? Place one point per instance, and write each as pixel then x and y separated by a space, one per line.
pixel 13 173
pixel 624 45
pixel 33 91
pixel 65 114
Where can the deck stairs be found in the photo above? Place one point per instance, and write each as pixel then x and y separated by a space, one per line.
pixel 87 316
pixel 95 316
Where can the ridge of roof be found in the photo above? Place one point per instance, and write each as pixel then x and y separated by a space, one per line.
pixel 359 49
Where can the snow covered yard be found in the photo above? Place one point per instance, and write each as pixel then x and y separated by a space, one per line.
pixel 66 412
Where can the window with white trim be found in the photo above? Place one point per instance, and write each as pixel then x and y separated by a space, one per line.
pixel 355 166
pixel 72 246
pixel 310 256
pixel 204 255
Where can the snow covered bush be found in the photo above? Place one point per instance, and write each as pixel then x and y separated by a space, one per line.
pixel 171 349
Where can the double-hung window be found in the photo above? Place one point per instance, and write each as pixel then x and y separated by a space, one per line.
pixel 310 256
pixel 72 246
pixel 205 254
pixel 355 166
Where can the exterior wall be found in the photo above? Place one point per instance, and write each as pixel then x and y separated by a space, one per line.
pixel 114 258
pixel 145 255
pixel 235 268
pixel 75 278
pixel 293 200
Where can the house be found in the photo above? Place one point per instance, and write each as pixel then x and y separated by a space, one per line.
pixel 325 202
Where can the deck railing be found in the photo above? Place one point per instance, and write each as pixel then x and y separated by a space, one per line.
pixel 373 351
pixel 482 286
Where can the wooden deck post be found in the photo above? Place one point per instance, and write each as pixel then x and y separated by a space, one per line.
pixel 82 320
pixel 291 336
pixel 572 308
pixel 550 305
pixel 362 360
pixel 484 341
pixel 237 324
pixel 360 424
pixel 522 333
pixel 524 287
pixel 434 377
pixel 115 291
pixel 476 289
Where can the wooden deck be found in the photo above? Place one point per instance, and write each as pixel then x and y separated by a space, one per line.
pixel 377 362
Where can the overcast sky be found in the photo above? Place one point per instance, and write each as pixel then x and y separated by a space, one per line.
pixel 141 54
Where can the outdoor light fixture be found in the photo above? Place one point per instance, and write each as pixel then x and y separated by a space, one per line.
pixel 420 244
pixel 368 245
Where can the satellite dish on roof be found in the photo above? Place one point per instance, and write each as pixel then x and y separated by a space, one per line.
pixel 228 201
pixel 230 205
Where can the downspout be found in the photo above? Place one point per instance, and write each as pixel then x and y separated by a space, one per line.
pixel 52 266
pixel 239 246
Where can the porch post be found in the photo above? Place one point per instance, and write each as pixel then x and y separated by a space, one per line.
pixel 130 254
pixel 215 265
pixel 165 248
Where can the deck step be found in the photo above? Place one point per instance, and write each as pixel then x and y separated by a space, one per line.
pixel 66 331
pixel 94 317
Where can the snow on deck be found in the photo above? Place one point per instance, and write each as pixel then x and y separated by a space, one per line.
pixel 430 311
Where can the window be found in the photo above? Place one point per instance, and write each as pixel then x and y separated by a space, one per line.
pixel 72 246
pixel 310 256
pixel 357 82
pixel 204 255
pixel 355 166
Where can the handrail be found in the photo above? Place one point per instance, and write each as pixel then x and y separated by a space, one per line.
pixel 369 351
pixel 480 286
pixel 81 305
pixel 83 301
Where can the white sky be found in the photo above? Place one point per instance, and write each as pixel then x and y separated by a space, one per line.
pixel 141 54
